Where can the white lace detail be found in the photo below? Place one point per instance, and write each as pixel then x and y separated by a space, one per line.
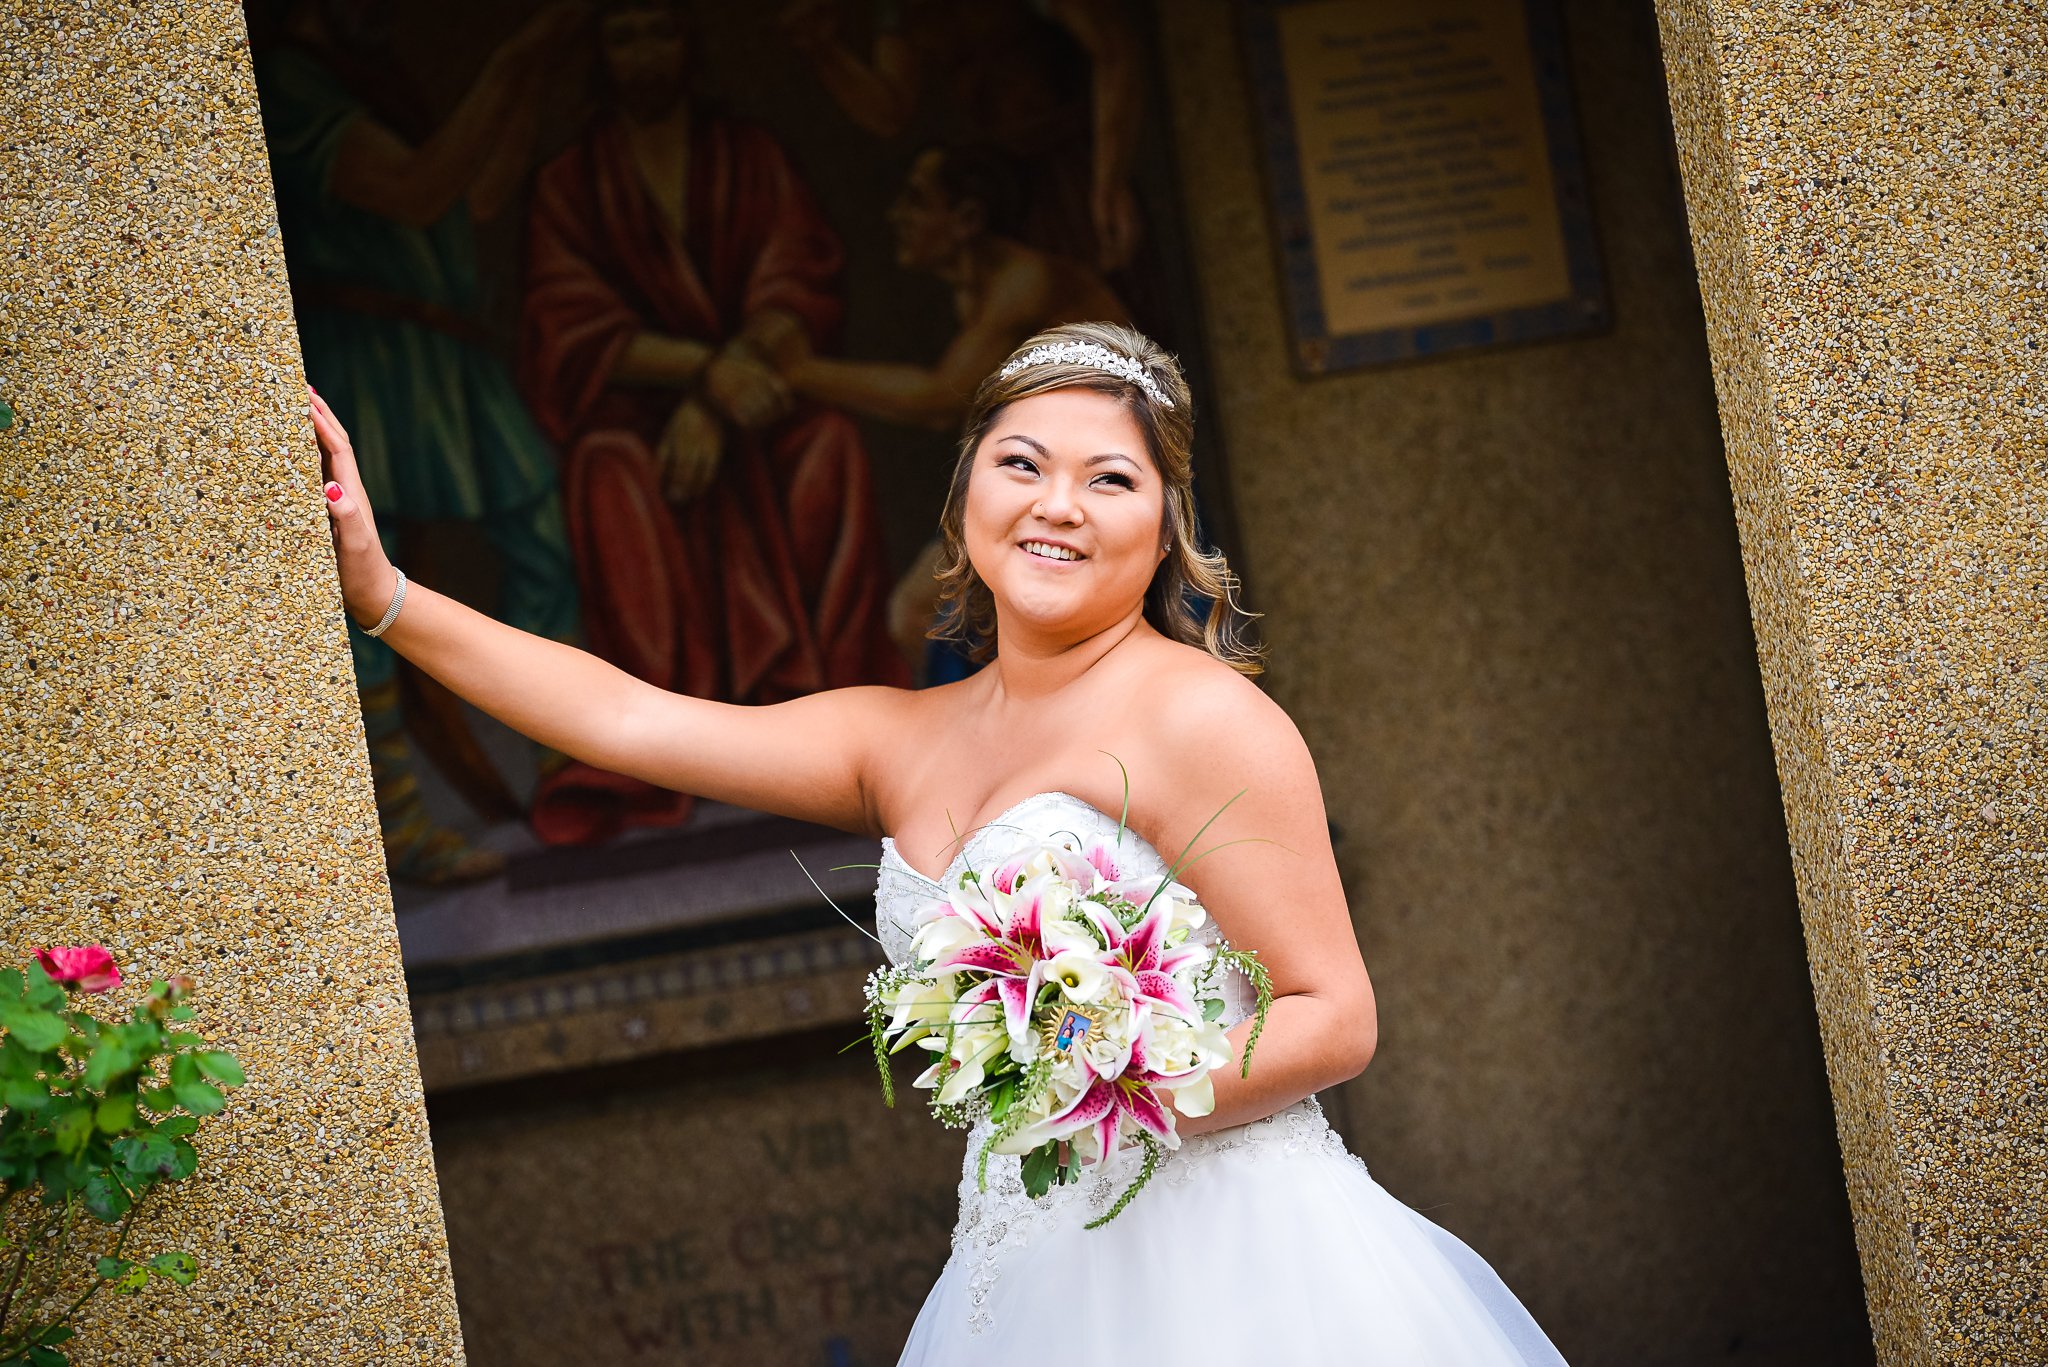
pixel 995 1224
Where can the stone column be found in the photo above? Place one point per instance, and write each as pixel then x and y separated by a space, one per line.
pixel 184 776
pixel 1866 193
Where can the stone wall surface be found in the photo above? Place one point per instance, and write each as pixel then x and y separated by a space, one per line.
pixel 713 1211
pixel 1506 606
pixel 182 768
pixel 1869 201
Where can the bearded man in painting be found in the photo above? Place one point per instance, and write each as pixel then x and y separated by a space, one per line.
pixel 724 530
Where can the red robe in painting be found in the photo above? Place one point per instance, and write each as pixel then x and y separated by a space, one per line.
pixel 771 583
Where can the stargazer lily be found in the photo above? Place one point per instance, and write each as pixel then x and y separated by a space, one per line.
pixel 1014 957
pixel 1143 963
pixel 1098 1112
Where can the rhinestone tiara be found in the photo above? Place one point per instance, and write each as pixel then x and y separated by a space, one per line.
pixel 1095 356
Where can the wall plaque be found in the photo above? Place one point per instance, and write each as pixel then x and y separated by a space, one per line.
pixel 1428 194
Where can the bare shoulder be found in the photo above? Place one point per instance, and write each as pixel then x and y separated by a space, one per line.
pixel 878 715
pixel 865 705
pixel 1194 694
pixel 1226 769
pixel 1207 733
pixel 898 726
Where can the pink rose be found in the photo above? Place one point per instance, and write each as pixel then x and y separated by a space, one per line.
pixel 88 968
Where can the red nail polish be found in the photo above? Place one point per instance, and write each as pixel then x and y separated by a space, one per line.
pixel 333 492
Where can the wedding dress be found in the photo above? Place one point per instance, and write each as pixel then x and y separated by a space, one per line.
pixel 1264 1243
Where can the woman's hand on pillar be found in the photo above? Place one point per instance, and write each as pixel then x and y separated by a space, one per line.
pixel 367 579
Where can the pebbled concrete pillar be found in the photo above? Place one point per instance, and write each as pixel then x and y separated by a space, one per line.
pixel 182 769
pixel 1868 193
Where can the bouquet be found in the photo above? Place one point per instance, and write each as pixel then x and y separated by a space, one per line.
pixel 1066 1003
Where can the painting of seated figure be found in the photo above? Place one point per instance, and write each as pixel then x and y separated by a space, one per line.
pixel 653 322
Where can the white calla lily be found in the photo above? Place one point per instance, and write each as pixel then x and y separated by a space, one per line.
pixel 1080 977
pixel 1197 1099
pixel 941 937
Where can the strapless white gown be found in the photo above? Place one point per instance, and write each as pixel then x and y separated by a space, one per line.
pixel 1265 1243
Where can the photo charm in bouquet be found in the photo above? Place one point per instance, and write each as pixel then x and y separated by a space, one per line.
pixel 1068 1003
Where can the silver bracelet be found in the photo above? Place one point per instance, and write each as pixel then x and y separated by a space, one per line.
pixel 390 613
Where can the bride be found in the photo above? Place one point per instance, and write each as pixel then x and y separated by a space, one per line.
pixel 1111 645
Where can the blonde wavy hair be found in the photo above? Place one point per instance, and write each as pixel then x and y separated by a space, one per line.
pixel 1188 576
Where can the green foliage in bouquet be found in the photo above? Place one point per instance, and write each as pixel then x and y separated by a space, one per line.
pixel 95 1116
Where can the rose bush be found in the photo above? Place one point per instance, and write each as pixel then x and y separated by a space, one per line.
pixel 95 1116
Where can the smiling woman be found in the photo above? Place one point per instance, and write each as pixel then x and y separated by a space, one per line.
pixel 1072 441
pixel 1071 559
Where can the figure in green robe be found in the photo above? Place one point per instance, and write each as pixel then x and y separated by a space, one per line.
pixel 376 211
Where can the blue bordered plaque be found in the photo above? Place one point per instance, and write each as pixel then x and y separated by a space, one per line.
pixel 1427 187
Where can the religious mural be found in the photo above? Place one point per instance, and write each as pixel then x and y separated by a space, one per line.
pixel 653 322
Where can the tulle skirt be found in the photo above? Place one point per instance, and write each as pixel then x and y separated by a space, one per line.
pixel 1268 1243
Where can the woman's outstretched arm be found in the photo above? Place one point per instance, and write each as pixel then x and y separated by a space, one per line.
pixel 805 758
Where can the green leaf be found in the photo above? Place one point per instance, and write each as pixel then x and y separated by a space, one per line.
pixel 1039 1168
pixel 61 1174
pixel 146 1153
pixel 110 1059
pixel 56 1333
pixel 221 1067
pixel 184 1039
pixel 184 1069
pixel 116 1113
pixel 198 1097
pixel 6 415
pixel 111 1268
pixel 185 1162
pixel 182 1013
pixel 11 982
pixel 177 1126
pixel 72 1129
pixel 133 1280
pixel 105 1200
pixel 43 994
pixel 1212 1009
pixel 37 1030
pixel 180 1267
pixel 18 1094
pixel 38 1355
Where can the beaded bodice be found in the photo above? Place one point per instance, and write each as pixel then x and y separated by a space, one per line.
pixel 1003 1218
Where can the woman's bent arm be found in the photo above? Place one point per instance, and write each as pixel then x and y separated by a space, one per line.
pixel 1277 894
